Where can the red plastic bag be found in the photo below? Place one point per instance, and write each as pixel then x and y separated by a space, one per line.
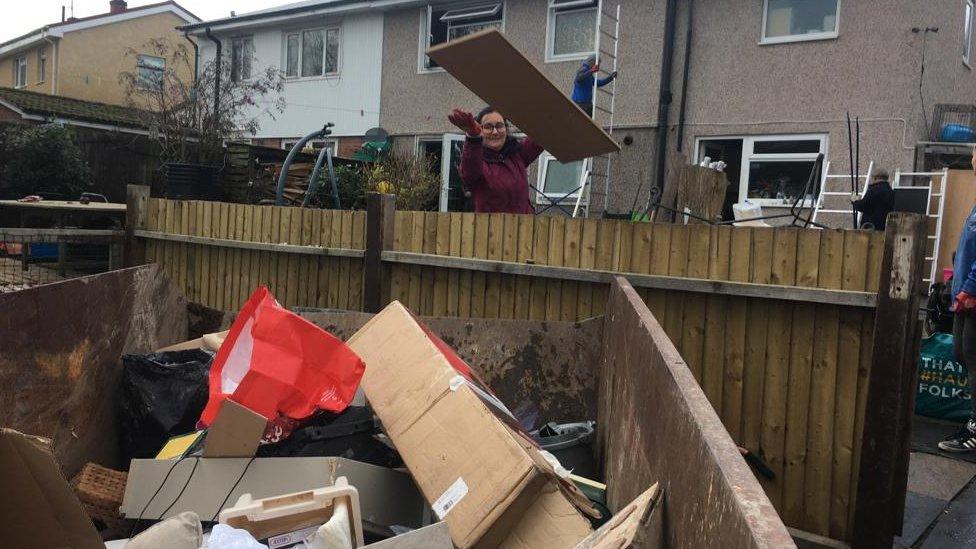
pixel 277 364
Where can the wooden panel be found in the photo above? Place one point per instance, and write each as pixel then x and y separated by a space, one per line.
pixel 540 256
pixel 523 285
pixel 587 260
pixel 493 281
pixel 557 234
pixel 677 266
pixel 454 277
pixel 693 325
pixel 571 258
pixel 466 278
pixel 714 361
pixel 479 280
pixel 660 428
pixel 736 330
pixel 475 59
pixel 506 302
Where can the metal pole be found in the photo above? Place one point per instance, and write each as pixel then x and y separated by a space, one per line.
pixel 280 191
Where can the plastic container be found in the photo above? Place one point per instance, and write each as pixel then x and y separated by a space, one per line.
pixel 571 444
pixel 957 133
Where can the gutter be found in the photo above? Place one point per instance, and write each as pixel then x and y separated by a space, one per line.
pixel 325 8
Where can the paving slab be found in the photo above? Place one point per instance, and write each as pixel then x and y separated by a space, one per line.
pixel 939 477
pixel 956 529
pixel 920 512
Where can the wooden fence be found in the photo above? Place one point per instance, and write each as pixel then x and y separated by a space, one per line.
pixel 776 324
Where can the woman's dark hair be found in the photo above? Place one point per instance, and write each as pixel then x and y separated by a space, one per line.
pixel 485 111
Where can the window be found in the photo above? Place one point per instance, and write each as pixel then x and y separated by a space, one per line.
pixel 311 53
pixel 150 71
pixel 967 33
pixel 41 64
pixel 558 180
pixel 571 29
pixel 773 169
pixel 20 72
pixel 242 52
pixel 444 25
pixel 797 20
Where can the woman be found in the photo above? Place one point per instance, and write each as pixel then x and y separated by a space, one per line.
pixel 494 165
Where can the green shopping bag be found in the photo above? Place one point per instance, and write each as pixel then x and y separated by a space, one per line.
pixel 943 387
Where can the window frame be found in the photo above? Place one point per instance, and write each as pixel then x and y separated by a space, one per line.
pixel 764 40
pixel 551 55
pixel 300 32
pixel 969 26
pixel 544 159
pixel 244 40
pixel 18 62
pixel 427 13
pixel 140 82
pixel 748 157
pixel 41 64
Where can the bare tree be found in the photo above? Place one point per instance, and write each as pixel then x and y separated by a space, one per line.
pixel 190 118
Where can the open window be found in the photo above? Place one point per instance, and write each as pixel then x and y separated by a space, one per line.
pixel 571 29
pixel 561 181
pixel 444 25
pixel 799 20
pixel 312 53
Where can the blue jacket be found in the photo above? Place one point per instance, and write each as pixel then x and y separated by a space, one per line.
pixel 964 267
pixel 583 86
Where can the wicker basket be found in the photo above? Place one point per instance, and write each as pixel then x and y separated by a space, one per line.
pixel 100 490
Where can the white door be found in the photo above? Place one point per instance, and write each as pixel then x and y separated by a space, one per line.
pixel 452 193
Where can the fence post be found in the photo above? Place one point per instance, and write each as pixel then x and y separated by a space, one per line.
pixel 886 438
pixel 136 208
pixel 380 213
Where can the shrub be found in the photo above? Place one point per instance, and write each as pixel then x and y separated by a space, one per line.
pixel 42 160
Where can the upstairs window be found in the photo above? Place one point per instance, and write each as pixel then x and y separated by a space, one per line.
pixel 798 20
pixel 242 52
pixel 311 53
pixel 20 72
pixel 150 72
pixel 571 29
pixel 444 25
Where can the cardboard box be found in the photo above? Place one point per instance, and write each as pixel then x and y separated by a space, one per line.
pixel 479 475
pixel 38 508
pixel 386 497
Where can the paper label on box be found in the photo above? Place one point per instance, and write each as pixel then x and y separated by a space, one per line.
pixel 291 538
pixel 454 494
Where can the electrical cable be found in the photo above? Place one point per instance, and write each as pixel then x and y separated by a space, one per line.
pixel 232 488
pixel 156 493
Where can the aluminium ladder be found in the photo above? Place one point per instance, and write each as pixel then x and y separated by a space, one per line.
pixel 821 206
pixel 933 211
pixel 596 171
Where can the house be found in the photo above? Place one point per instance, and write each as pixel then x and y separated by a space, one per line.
pixel 114 139
pixel 329 54
pixel 765 86
pixel 82 58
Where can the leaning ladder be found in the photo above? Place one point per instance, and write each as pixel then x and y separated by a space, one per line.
pixel 825 191
pixel 597 170
pixel 934 211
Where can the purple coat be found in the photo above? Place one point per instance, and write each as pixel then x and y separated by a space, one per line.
pixel 498 180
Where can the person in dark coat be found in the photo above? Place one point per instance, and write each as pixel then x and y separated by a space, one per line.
pixel 877 203
pixel 583 84
pixel 494 165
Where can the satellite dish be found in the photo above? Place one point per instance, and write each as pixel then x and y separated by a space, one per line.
pixel 376 134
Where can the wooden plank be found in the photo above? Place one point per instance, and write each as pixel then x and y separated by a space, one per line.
pixel 479 281
pixel 454 276
pixel 242 281
pixel 848 352
pixel 540 256
pixel 506 296
pixel 232 273
pixel 604 262
pixel 571 258
pixel 474 58
pixel 819 464
pixel 267 235
pixel 660 260
pixel 399 276
pixel 192 267
pixel 693 322
pixel 233 243
pixel 800 372
pixel 740 252
pixel 273 220
pixel 523 284
pixel 677 267
pixel 442 246
pixel 465 277
pixel 345 267
pixel 416 244
pixel 587 261
pixel 306 286
pixel 714 361
pixel 557 237
pixel 356 266
pixel 883 472
pixel 493 282
pixel 380 228
pixel 773 430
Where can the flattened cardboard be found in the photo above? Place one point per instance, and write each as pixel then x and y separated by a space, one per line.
pixel 524 95
pixel 386 497
pixel 434 536
pixel 38 508
pixel 472 468
pixel 236 432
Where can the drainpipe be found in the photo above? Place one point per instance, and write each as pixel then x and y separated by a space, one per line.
pixel 664 101
pixel 217 69
pixel 684 78
pixel 196 72
pixel 54 65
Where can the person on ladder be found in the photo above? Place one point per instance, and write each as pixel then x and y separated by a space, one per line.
pixel 964 326
pixel 878 202
pixel 494 165
pixel 583 84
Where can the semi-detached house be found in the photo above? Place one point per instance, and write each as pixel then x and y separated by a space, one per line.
pixel 769 82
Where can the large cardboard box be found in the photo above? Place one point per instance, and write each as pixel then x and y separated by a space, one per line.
pixel 480 475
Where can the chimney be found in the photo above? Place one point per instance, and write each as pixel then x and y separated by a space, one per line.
pixel 117 6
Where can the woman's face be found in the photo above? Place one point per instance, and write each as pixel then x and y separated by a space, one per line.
pixel 495 131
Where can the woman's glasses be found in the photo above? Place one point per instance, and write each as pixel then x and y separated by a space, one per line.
pixel 500 127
